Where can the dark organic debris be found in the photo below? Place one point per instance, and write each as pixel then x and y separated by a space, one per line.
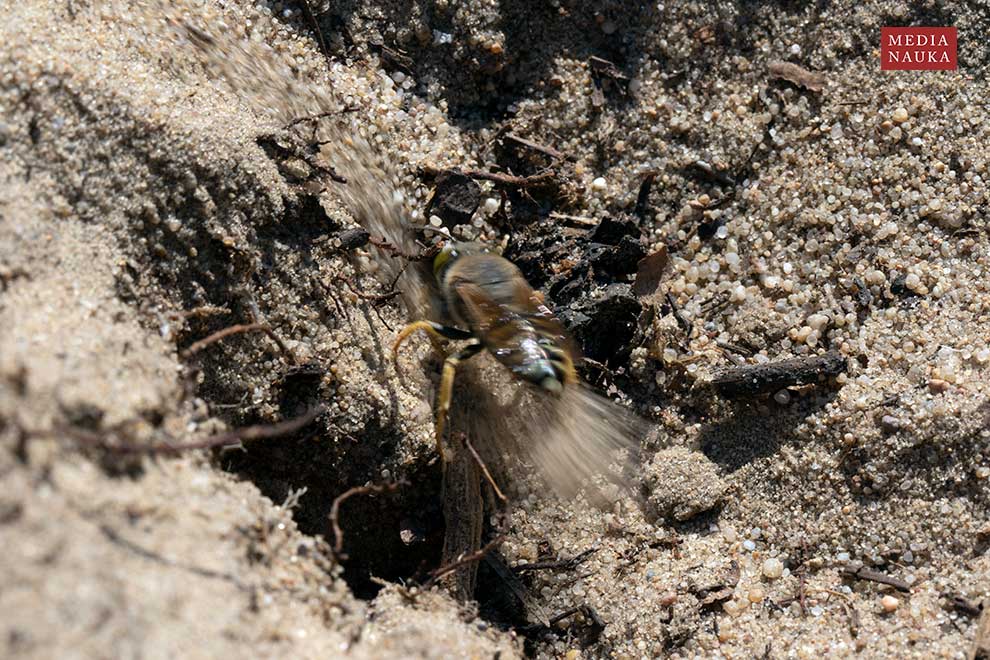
pixel 606 68
pixel 352 239
pixel 705 171
pixel 595 625
pixel 864 573
pixel 649 273
pixel 558 564
pixel 756 379
pixel 962 604
pixel 797 75
pixel 604 325
pixel 713 595
pixel 899 287
pixel 620 259
pixel 643 197
pixel 610 230
pixel 455 198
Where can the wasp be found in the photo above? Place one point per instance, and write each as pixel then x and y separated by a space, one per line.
pixel 494 309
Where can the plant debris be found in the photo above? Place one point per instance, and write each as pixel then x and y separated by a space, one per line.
pixel 798 75
pixel 770 377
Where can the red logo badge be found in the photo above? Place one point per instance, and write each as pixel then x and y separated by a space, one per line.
pixel 917 48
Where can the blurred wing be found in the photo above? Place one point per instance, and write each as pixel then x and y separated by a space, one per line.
pixel 569 438
pixel 484 313
pixel 581 435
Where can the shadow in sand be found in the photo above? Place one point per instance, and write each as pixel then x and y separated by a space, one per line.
pixel 746 431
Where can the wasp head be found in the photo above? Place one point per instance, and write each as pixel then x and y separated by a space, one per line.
pixel 451 252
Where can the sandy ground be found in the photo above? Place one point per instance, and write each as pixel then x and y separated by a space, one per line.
pixel 159 182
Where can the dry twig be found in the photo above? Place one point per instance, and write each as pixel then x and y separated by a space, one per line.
pixel 484 468
pixel 563 564
pixel 864 573
pixel 338 533
pixel 500 178
pixel 235 437
pixel 538 148
pixel 238 329
pixel 466 559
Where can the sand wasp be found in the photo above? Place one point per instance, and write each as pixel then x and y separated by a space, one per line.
pixel 496 310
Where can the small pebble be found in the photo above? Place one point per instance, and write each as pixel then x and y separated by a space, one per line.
pixel 773 568
pixel 889 604
pixel 900 115
pixel 937 385
pixel 599 184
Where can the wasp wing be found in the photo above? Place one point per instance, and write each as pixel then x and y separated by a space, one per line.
pixel 498 323
pixel 570 437
pixel 484 313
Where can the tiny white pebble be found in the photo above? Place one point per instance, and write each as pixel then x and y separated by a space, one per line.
pixel 599 184
pixel 889 604
pixel 773 568
pixel 900 115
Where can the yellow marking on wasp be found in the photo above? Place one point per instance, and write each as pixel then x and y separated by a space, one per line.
pixel 425 326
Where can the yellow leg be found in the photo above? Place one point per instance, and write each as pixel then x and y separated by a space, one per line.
pixel 447 389
pixel 436 331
